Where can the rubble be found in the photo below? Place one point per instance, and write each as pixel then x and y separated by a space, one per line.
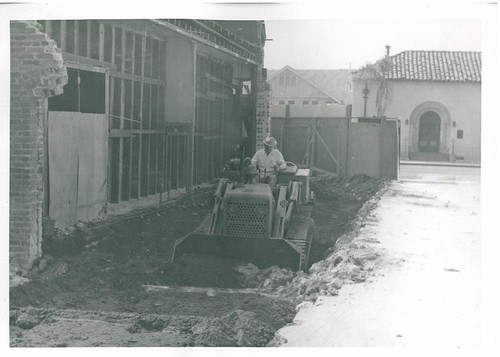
pixel 121 255
pixel 27 321
pixel 349 262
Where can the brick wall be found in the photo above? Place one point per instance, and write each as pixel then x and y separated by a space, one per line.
pixel 37 72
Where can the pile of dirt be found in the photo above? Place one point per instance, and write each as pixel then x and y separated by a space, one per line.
pixel 103 267
pixel 356 188
pixel 349 262
pixel 338 201
pixel 64 328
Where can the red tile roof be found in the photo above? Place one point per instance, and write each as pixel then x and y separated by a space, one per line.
pixel 436 66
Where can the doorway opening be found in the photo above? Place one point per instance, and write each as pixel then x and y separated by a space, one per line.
pixel 428 132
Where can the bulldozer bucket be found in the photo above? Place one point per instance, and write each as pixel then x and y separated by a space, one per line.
pixel 263 252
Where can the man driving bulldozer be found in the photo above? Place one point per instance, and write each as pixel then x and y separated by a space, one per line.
pixel 267 162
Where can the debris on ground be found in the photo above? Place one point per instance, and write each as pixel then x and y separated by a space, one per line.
pixel 97 272
pixel 349 262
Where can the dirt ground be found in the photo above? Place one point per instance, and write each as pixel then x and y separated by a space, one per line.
pixel 90 289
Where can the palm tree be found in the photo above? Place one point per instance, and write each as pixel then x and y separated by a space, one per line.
pixel 376 72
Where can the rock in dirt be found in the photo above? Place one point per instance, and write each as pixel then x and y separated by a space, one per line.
pixel 337 283
pixel 17 280
pixel 57 268
pixel 277 341
pixel 360 255
pixel 303 305
pixel 247 270
pixel 13 314
pixel 278 278
pixel 27 321
pixel 239 328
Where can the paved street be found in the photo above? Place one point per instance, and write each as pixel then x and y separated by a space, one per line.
pixel 426 288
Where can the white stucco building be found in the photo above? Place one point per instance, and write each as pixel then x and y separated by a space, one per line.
pixel 436 95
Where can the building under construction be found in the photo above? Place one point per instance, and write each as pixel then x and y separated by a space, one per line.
pixel 111 115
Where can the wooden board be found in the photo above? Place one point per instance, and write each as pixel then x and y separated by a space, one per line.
pixel 78 160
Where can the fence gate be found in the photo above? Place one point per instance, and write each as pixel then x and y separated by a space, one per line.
pixel 295 144
pixel 318 144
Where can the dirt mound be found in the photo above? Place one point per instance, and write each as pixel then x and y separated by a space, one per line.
pixel 356 188
pixel 104 266
pixel 237 328
pixel 350 262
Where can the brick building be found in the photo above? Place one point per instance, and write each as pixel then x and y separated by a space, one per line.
pixel 112 115
pixel 37 73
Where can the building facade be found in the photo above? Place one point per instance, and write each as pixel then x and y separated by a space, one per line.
pixel 149 109
pixel 436 95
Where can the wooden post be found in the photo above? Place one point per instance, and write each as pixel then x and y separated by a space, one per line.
pixel 348 129
pixel 101 42
pixel 120 162
pixel 63 35
pixel 76 36
pixel 110 120
pixel 143 56
pixel 132 96
pixel 46 172
pixel 308 147
pixel 113 44
pixel 190 140
pixel 89 38
pixel 48 27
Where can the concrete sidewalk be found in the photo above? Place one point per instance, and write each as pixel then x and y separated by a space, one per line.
pixel 424 291
pixel 439 163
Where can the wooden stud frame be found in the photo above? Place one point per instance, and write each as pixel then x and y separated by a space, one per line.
pixel 215 121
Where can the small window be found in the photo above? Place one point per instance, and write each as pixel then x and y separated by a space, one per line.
pixel 314 102
pixel 282 102
pixel 305 102
pixel 246 87
pixel 460 134
pixel 291 102
pixel 282 80
pixel 293 80
pixel 329 102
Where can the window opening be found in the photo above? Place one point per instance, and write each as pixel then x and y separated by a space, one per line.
pixel 84 93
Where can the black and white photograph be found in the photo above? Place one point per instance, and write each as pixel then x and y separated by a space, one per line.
pixel 250 174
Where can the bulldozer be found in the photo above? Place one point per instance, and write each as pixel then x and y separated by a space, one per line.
pixel 253 222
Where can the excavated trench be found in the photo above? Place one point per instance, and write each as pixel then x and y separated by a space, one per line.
pixel 93 287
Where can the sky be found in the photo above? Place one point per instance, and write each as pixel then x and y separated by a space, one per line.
pixel 351 43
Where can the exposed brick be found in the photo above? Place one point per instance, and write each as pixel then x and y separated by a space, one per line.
pixel 37 71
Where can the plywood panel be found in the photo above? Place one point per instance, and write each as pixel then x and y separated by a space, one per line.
pixel 364 149
pixel 327 147
pixel 295 143
pixel 78 159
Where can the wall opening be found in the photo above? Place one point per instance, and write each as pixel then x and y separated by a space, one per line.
pixel 84 93
pixel 429 132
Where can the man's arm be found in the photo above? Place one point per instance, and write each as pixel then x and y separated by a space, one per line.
pixel 280 161
pixel 254 159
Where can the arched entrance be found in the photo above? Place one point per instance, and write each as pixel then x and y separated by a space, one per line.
pixel 429 132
